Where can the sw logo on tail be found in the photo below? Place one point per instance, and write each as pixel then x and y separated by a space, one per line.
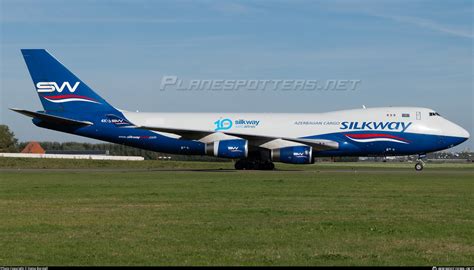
pixel 48 87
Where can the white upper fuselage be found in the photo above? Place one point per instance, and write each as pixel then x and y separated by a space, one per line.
pixel 296 125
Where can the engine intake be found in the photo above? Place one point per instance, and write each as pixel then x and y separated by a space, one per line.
pixel 237 148
pixel 293 154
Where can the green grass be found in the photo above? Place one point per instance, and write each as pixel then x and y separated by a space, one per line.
pixel 313 216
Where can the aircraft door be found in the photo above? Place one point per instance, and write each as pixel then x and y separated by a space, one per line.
pixel 418 115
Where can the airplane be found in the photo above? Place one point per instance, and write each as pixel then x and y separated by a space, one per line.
pixel 254 140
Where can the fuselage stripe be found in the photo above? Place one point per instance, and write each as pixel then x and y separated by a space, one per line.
pixel 367 136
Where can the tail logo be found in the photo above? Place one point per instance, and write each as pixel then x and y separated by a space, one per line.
pixel 48 87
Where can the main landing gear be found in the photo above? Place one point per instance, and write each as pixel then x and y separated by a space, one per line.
pixel 246 164
pixel 419 163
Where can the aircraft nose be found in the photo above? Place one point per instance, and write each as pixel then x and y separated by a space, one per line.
pixel 463 133
pixel 454 134
pixel 454 130
pixel 466 135
pixel 460 133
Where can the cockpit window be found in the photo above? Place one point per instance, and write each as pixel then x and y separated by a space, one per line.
pixel 434 114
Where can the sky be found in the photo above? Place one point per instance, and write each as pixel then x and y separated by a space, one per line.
pixel 405 53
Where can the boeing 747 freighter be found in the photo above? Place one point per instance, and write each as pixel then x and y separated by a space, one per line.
pixel 254 140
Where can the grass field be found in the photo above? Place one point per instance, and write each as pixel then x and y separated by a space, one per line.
pixel 158 213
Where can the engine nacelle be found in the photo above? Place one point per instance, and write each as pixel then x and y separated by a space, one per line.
pixel 237 148
pixel 293 154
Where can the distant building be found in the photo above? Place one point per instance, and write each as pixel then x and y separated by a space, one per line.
pixel 33 148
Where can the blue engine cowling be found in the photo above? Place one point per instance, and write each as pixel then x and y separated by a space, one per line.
pixel 293 155
pixel 237 148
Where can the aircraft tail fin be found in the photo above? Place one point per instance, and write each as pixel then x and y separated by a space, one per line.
pixel 58 88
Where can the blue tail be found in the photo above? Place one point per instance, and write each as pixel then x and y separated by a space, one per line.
pixel 58 88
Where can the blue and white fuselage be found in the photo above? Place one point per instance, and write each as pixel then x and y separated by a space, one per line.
pixel 359 132
pixel 71 106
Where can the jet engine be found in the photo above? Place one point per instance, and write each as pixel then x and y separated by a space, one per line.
pixel 293 154
pixel 235 148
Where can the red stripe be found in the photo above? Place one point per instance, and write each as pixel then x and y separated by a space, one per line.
pixel 68 96
pixel 374 135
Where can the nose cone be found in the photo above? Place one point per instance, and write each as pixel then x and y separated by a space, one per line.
pixel 459 133
pixel 464 133
pixel 452 134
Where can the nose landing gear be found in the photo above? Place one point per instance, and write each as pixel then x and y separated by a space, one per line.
pixel 419 166
pixel 419 163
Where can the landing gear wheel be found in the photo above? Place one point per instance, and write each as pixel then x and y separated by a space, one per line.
pixel 264 166
pixel 250 165
pixel 271 166
pixel 239 165
pixel 419 166
pixel 245 164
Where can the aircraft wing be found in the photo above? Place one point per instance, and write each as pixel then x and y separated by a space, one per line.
pixel 186 134
pixel 52 118
pixel 258 140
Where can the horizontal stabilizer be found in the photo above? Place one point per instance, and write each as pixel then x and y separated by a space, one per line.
pixel 52 118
